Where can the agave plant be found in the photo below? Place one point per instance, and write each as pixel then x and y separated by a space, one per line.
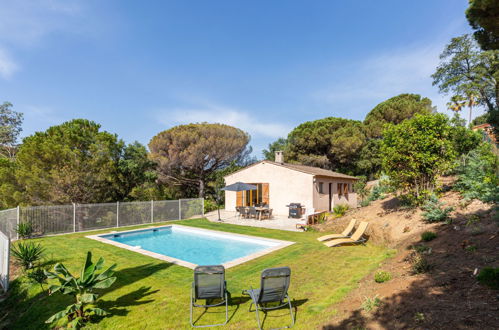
pixel 27 254
pixel 82 288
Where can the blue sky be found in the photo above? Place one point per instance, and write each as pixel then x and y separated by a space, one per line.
pixel 139 67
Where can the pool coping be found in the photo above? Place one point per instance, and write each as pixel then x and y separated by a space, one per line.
pixel 280 244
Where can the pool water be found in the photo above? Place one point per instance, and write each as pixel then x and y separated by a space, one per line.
pixel 200 247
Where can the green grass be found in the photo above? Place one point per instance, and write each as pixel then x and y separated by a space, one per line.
pixel 152 294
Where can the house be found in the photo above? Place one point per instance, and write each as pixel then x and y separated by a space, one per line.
pixel 279 184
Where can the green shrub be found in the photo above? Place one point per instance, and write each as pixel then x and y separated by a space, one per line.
pixel 434 210
pixel 382 276
pixel 489 276
pixel 37 276
pixel 365 203
pixel 477 176
pixel 370 304
pixel 428 236
pixel 25 230
pixel 27 254
pixel 340 210
pixel 83 290
pixel 209 205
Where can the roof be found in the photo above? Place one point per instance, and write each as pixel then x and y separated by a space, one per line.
pixel 303 168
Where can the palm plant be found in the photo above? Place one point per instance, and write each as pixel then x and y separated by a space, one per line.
pixel 27 254
pixel 82 288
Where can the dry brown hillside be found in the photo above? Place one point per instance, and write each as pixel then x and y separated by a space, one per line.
pixel 447 296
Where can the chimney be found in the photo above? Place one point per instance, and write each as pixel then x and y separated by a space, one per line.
pixel 279 157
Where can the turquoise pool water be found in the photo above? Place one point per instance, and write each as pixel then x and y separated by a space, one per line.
pixel 196 246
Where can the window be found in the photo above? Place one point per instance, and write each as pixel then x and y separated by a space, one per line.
pixel 253 197
pixel 340 191
pixel 321 187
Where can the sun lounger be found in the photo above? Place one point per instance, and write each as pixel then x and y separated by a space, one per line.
pixel 356 238
pixel 209 284
pixel 344 234
pixel 274 284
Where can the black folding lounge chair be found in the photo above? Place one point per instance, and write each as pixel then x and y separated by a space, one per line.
pixel 274 284
pixel 209 284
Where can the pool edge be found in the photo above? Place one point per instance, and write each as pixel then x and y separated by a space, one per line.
pixel 281 244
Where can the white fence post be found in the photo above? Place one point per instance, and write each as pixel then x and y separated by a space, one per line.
pixel 4 261
pixel 202 207
pixel 17 221
pixel 152 211
pixel 117 214
pixel 74 218
pixel 180 209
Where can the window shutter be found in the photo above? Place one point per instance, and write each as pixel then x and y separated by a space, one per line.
pixel 265 193
pixel 239 198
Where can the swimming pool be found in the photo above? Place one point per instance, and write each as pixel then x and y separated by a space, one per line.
pixel 189 247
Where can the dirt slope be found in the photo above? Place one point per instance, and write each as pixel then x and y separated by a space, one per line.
pixel 448 296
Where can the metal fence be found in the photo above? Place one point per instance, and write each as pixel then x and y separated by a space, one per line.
pixel 60 219
pixel 4 261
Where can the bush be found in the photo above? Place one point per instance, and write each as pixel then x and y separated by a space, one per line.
pixel 370 304
pixel 209 205
pixel 490 277
pixel 428 236
pixel 365 203
pixel 340 210
pixel 25 230
pixel 419 264
pixel 382 276
pixel 434 210
pixel 477 177
pixel 27 254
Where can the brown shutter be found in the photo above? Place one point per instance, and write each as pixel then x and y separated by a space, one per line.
pixel 265 193
pixel 239 198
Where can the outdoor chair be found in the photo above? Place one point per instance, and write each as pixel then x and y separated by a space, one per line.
pixel 344 234
pixel 209 284
pixel 252 212
pixel 356 237
pixel 267 214
pixel 274 285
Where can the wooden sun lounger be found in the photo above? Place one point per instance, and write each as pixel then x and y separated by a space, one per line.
pixel 355 239
pixel 344 234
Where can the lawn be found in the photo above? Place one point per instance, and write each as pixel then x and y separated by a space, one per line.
pixel 152 294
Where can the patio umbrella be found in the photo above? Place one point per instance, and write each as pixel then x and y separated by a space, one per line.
pixel 239 186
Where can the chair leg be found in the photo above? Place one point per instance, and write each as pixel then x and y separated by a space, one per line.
pixel 258 316
pixel 291 312
pixel 192 304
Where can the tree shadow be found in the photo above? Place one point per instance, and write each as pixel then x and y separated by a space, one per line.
pixel 448 296
pixel 127 276
pixel 134 298
pixel 41 304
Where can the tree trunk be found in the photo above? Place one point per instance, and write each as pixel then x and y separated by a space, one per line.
pixel 201 188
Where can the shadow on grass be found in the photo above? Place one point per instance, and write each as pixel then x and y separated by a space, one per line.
pixel 134 298
pixel 26 312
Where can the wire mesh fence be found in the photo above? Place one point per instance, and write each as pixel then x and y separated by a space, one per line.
pixel 59 219
pixel 8 222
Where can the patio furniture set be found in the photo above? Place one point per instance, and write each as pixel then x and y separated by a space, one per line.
pixel 259 212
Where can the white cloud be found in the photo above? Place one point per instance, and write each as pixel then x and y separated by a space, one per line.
pixel 384 75
pixel 7 65
pixel 255 125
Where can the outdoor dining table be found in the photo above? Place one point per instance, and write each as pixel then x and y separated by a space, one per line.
pixel 260 211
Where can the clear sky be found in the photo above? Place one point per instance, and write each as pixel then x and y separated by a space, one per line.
pixel 139 67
